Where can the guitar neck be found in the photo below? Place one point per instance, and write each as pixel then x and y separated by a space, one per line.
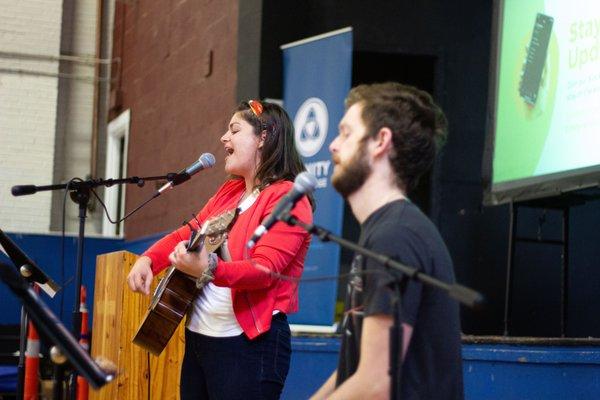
pixel 196 242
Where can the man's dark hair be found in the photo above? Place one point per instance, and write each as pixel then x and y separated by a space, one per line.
pixel 418 126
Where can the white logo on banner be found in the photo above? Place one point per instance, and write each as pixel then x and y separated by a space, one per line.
pixel 310 125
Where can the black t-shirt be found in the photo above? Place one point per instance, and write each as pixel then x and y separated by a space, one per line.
pixel 433 366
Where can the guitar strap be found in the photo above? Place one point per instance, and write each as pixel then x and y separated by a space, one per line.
pixel 243 206
pixel 224 251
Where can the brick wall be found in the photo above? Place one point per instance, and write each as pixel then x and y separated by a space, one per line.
pixel 178 77
pixel 27 110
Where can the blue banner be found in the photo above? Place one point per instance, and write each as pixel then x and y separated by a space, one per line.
pixel 317 74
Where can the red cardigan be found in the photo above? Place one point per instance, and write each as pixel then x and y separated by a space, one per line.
pixel 255 292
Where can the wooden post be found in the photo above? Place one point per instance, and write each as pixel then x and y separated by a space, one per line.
pixel 117 314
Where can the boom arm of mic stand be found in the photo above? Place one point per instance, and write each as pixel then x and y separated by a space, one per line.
pixel 27 267
pixel 463 294
pixel 22 190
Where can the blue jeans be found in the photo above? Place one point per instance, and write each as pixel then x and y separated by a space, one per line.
pixel 236 367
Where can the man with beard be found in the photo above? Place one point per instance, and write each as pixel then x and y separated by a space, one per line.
pixel 388 138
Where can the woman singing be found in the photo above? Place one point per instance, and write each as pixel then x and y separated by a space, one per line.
pixel 237 337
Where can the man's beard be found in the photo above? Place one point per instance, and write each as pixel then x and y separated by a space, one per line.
pixel 351 176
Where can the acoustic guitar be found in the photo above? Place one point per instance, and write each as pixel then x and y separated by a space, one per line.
pixel 177 290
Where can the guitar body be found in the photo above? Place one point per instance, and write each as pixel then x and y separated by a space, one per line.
pixel 177 290
pixel 171 301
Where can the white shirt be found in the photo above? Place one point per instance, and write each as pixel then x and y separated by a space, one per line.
pixel 212 312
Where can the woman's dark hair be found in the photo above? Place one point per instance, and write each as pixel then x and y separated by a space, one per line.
pixel 279 158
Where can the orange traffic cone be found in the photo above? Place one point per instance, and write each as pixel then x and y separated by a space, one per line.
pixel 84 341
pixel 32 363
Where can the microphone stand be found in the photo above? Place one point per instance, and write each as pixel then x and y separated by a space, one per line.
pixel 80 194
pixel 463 294
pixel 50 327
pixel 33 274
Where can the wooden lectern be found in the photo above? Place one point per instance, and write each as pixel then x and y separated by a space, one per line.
pixel 117 314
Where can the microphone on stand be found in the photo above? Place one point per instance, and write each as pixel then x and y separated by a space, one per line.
pixel 206 160
pixel 304 184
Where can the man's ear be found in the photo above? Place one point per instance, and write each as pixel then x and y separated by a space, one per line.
pixel 383 141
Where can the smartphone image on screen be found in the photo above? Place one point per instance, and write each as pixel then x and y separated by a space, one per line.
pixel 536 58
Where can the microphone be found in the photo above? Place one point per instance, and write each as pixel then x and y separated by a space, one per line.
pixel 22 190
pixel 206 160
pixel 304 183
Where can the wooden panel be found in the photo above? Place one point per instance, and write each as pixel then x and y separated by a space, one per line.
pixel 117 315
pixel 166 368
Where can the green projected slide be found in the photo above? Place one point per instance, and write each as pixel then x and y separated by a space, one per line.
pixel 548 89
